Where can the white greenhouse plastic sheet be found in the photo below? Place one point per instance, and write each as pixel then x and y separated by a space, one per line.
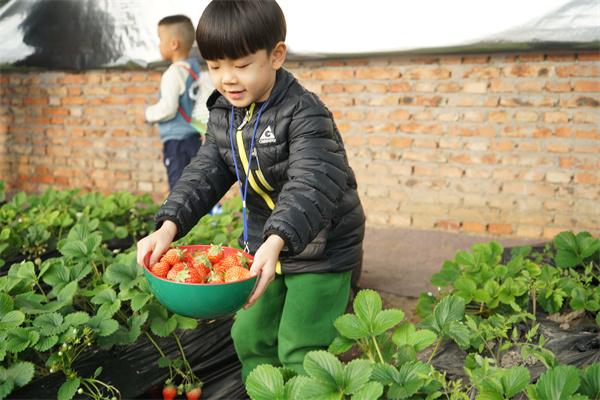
pixel 84 34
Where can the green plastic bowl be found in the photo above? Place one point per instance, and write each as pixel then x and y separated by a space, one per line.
pixel 202 301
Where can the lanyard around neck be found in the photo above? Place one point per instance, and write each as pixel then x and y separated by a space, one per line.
pixel 244 189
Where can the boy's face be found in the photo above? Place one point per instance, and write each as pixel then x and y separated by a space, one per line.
pixel 166 45
pixel 248 79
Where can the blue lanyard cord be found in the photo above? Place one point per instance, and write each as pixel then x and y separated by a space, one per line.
pixel 244 190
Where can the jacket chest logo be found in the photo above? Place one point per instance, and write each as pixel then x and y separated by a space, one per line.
pixel 267 136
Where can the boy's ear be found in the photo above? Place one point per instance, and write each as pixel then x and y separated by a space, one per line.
pixel 278 55
pixel 175 43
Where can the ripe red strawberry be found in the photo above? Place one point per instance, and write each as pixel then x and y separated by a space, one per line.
pixel 193 392
pixel 236 273
pixel 189 275
pixel 215 253
pixel 169 392
pixel 201 260
pixel 160 269
pixel 175 270
pixel 236 259
pixel 174 255
pixel 215 277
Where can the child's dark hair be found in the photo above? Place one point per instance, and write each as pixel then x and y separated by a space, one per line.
pixel 236 29
pixel 175 19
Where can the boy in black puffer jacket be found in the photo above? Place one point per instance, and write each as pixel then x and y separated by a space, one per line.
pixel 304 222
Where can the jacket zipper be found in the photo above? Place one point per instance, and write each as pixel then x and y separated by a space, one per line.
pixel 244 159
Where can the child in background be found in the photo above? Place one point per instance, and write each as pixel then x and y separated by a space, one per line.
pixel 180 140
pixel 305 224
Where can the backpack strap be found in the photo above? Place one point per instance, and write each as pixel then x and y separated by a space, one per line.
pixel 183 114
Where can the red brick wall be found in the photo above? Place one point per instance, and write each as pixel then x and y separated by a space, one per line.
pixel 495 144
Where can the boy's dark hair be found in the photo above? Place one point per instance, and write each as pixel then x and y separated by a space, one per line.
pixel 184 28
pixel 236 29
pixel 175 19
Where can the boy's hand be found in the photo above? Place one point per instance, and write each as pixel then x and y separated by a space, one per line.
pixel 155 244
pixel 265 262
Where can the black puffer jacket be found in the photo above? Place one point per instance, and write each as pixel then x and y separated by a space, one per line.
pixel 301 186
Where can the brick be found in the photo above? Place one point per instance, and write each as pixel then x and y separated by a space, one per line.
pixel 481 73
pixel 581 101
pixel 448 224
pixel 585 118
pixel 396 87
pixel 560 87
pixel 519 71
pixel 499 229
pixel 530 86
pixel 558 177
pixel 475 87
pixel 558 148
pixel 498 117
pixel 333 75
pixel 477 227
pixel 556 117
pixel 427 73
pixel 526 116
pixel 577 71
pixel 413 127
pixel 448 87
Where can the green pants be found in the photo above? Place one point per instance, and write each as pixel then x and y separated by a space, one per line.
pixel 294 316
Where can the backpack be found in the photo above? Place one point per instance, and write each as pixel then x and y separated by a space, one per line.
pixel 199 91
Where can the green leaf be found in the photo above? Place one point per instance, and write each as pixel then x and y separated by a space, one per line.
pixel 67 293
pixel 121 232
pixel 459 333
pixel 126 275
pixel 293 387
pixel 386 374
pixel 6 304
pixel 68 389
pixel 27 271
pixel 139 300
pixel 185 322
pixel 341 344
pixel 514 380
pixel 72 248
pixel 46 343
pixel 350 326
pixel 558 383
pixel 20 338
pixel 21 373
pixel 481 296
pixel 265 383
pixel 407 334
pixel 566 259
pixel 590 382
pixel 50 324
pixel 107 327
pixel 355 375
pixel 324 367
pixel 314 389
pixel 163 327
pixel 447 275
pixel 367 305
pixel 465 258
pixel 12 319
pixel 449 309
pixel 77 318
pixel 386 319
pixel 588 246
pixel 370 391
pixel 566 241
pixel 6 387
pixel 164 362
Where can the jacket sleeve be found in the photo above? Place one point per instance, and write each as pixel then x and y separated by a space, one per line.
pixel 202 184
pixel 317 178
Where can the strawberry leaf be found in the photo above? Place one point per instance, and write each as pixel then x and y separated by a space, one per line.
pixel 355 375
pixel 68 389
pixel 265 383
pixel 324 367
